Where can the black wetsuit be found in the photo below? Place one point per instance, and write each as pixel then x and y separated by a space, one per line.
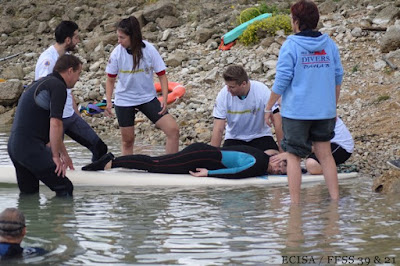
pixel 42 100
pixel 228 162
pixel 12 251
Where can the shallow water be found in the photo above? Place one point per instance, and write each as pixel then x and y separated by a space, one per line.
pixel 208 225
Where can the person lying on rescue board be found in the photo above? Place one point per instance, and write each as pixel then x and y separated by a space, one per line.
pixel 201 160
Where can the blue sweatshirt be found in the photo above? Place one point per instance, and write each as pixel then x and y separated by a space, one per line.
pixel 307 73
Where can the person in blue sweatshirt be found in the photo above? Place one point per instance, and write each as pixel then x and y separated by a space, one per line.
pixel 201 160
pixel 308 78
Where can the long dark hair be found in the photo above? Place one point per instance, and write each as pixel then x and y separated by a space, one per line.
pixel 131 27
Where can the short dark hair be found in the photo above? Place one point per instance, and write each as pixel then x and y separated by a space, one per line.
pixel 12 222
pixel 306 13
pixel 67 61
pixel 235 73
pixel 64 30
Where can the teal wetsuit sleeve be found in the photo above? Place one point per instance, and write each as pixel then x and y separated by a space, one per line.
pixel 235 163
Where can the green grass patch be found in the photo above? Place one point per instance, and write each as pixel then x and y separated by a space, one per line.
pixel 266 27
pixel 382 98
pixel 262 8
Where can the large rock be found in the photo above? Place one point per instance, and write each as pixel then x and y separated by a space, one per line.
pixel 88 23
pixel 394 54
pixel 212 76
pixel 166 34
pixel 42 28
pixel 176 59
pixel 159 10
pixel 389 182
pixel 10 91
pixel 13 72
pixel 90 45
pixel 140 18
pixel 168 22
pixel 327 7
pixel 386 15
pixel 203 35
pixel 9 10
pixel 270 64
pixel 7 118
pixel 391 40
pixel 97 53
pixel 6 25
pixel 49 12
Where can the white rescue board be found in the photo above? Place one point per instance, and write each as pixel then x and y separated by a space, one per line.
pixel 127 177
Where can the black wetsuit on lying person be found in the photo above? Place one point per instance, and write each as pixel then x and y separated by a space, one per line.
pixel 227 162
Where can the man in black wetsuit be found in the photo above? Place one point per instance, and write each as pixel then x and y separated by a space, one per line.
pixel 37 122
pixel 12 231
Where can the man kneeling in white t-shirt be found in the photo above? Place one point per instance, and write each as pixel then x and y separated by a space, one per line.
pixel 241 103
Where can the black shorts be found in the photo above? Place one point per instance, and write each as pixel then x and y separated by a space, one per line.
pixel 339 154
pixel 126 114
pixel 263 143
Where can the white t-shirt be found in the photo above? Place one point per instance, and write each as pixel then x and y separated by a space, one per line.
pixel 245 118
pixel 44 66
pixel 134 86
pixel 343 136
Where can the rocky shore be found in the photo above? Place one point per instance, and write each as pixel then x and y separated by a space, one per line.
pixel 187 34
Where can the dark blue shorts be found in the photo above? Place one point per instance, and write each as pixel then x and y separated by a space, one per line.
pixel 299 134
pixel 126 114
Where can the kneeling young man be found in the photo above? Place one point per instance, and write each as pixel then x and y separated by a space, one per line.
pixel 241 104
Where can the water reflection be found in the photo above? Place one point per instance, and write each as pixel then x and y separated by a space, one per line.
pixel 204 226
pixel 48 226
pixel 4 134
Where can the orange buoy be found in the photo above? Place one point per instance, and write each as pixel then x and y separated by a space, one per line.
pixel 2 80
pixel 175 90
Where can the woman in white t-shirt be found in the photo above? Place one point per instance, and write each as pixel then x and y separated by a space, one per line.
pixel 135 61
